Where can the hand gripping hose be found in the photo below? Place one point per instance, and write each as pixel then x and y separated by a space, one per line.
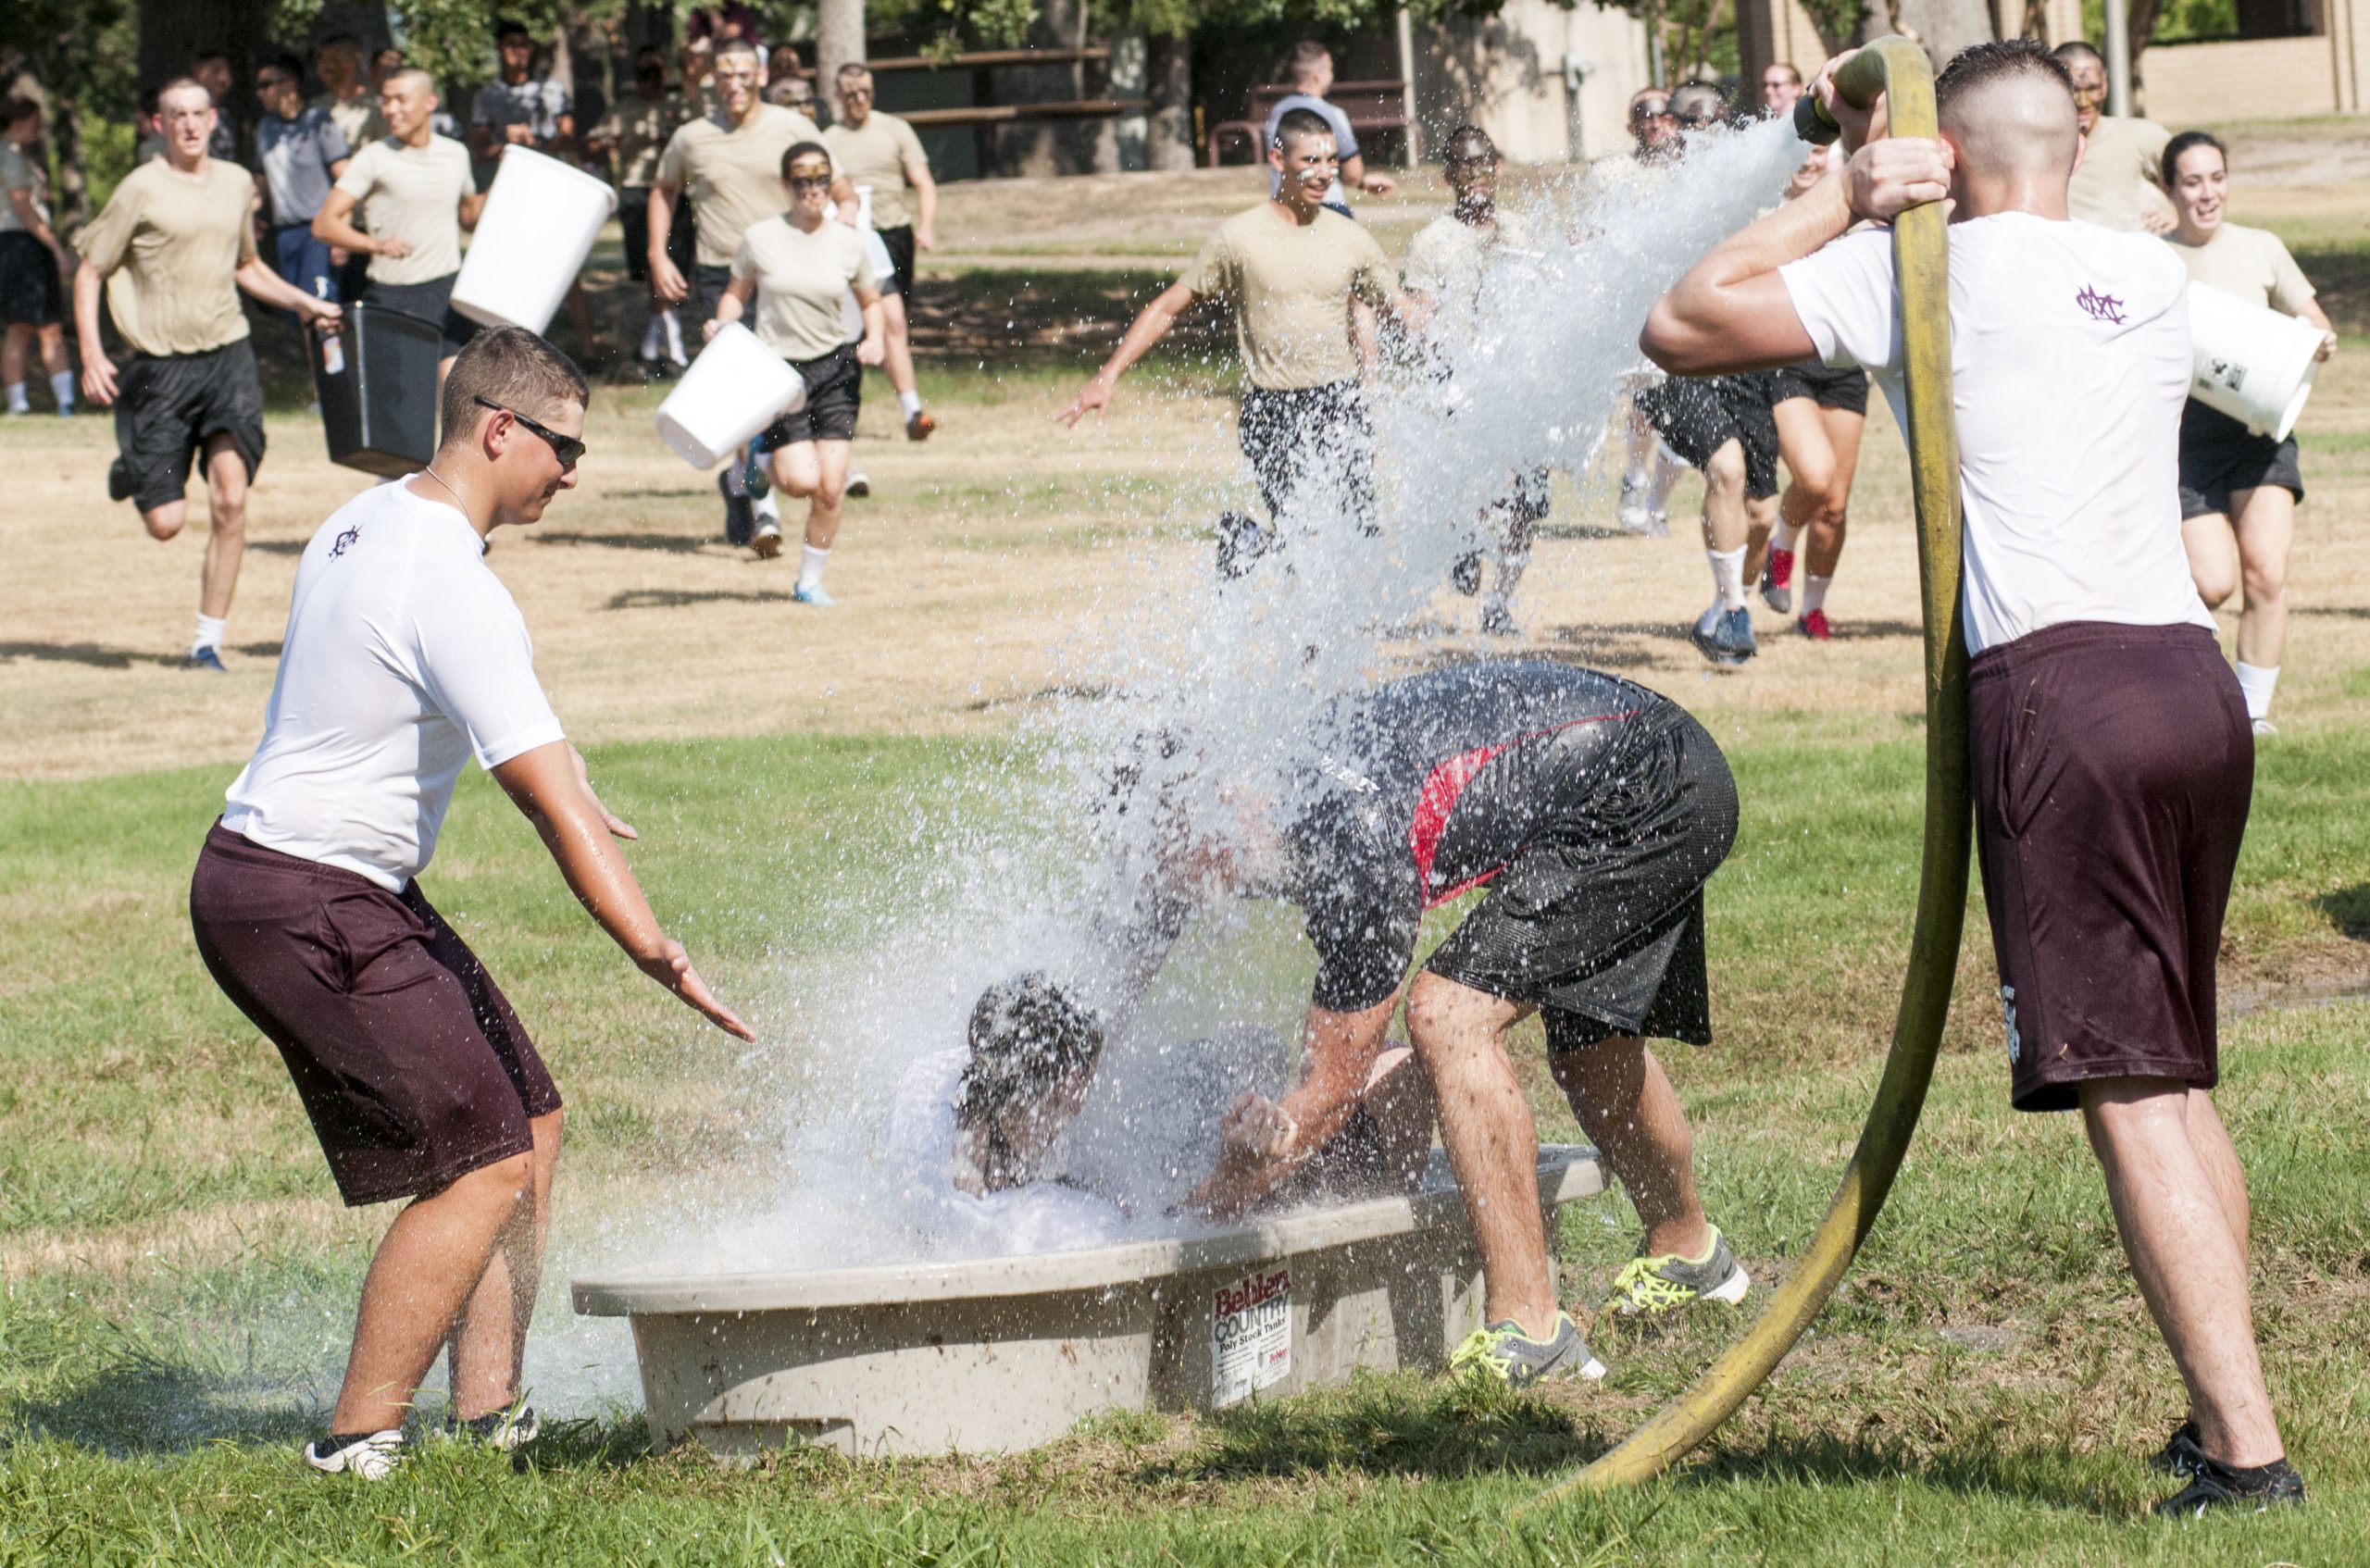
pixel 1921 258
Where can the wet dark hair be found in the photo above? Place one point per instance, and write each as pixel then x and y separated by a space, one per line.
pixel 14 110
pixel 1982 64
pixel 2184 142
pixel 1028 1037
pixel 1302 122
pixel 2066 54
pixel 798 150
pixel 1468 145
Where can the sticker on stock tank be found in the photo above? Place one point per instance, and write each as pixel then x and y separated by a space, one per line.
pixel 1251 1335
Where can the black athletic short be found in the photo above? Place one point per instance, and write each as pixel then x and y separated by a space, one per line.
pixel 633 220
pixel 29 295
pixel 410 1063
pixel 900 243
pixel 431 301
pixel 2220 456
pixel 2113 769
pixel 1599 922
pixel 1698 415
pixel 834 393
pixel 708 284
pixel 1318 439
pixel 166 409
pixel 1845 391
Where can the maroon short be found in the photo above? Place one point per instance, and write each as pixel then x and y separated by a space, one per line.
pixel 410 1063
pixel 2114 767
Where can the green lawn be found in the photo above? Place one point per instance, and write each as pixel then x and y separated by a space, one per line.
pixel 1982 1391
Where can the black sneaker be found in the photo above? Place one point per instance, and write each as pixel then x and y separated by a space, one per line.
pixel 1466 576
pixel 739 515
pixel 2212 1485
pixel 2180 1453
pixel 508 1430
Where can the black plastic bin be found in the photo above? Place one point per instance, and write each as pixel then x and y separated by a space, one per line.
pixel 375 373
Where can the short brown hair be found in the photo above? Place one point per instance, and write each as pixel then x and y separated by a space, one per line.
pixel 1982 62
pixel 1303 58
pixel 513 369
pixel 16 109
pixel 798 150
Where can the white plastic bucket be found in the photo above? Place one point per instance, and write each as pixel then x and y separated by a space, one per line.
pixel 540 221
pixel 2252 363
pixel 875 250
pixel 734 389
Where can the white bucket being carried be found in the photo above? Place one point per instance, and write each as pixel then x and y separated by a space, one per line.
pixel 2252 363
pixel 540 221
pixel 734 389
pixel 875 250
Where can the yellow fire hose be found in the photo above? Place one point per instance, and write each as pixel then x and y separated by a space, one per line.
pixel 1898 68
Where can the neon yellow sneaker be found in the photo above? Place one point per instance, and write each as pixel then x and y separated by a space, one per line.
pixel 1654 1286
pixel 1501 1352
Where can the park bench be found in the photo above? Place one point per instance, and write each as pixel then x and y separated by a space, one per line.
pixel 982 62
pixel 1372 107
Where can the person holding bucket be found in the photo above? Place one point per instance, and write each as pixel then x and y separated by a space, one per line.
pixel 797 269
pixel 2239 490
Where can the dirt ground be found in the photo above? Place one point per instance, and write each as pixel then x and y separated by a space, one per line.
pixel 985 554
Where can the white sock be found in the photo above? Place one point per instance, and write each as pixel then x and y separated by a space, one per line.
pixel 2257 683
pixel 674 326
pixel 210 632
pixel 811 562
pixel 1815 592
pixel 768 508
pixel 1782 535
pixel 17 399
pixel 1634 478
pixel 1728 576
pixel 1667 471
pixel 61 387
pixel 654 339
pixel 909 403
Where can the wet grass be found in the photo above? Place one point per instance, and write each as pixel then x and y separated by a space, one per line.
pixel 178 1279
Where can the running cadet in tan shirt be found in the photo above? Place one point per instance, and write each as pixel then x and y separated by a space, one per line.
pixel 2117 184
pixel 1292 269
pixel 177 242
pixel 879 154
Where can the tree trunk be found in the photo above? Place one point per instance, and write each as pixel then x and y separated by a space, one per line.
pixel 70 205
pixel 1944 26
pixel 1168 82
pixel 1053 146
pixel 839 41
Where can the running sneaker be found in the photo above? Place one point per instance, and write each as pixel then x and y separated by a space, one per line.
pixel 1814 626
pixel 1466 576
pixel 208 659
pixel 1503 1354
pixel 805 594
pixel 739 515
pixel 2213 1486
pixel 1654 1286
pixel 859 484
pixel 2264 728
pixel 1778 581
pixel 506 1430
pixel 767 541
pixel 1497 621
pixel 2180 1453
pixel 1726 640
pixel 373 1456
pixel 918 426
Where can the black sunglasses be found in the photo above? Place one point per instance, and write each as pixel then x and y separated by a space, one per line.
pixel 567 449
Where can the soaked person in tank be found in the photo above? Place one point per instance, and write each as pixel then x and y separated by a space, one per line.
pixel 1591 809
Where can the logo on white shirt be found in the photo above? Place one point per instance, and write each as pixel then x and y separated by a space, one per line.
pixel 2099 306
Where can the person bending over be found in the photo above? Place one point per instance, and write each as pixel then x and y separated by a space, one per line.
pixel 179 239
pixel 2239 490
pixel 798 269
pixel 1292 269
pixel 404 656
pixel 2110 751
pixel 1595 811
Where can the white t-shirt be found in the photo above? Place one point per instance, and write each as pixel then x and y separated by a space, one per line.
pixel 2069 367
pixel 403 654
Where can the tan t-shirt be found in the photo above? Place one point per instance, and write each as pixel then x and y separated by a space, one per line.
pixel 412 193
pixel 733 174
pixel 802 282
pixel 19 173
pixel 1291 287
pixel 1446 259
pixel 640 129
pixel 2116 184
pixel 884 154
pixel 2250 263
pixel 357 119
pixel 167 244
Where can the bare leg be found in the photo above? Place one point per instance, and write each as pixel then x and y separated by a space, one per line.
pixel 897 345
pixel 2266 529
pixel 2177 1232
pixel 1628 1108
pixel 489 1344
pixel 2212 547
pixel 1824 551
pixel 12 354
pixel 427 1266
pixel 818 471
pixel 226 496
pixel 1492 1144
pixel 1725 523
pixel 1760 518
pixel 580 316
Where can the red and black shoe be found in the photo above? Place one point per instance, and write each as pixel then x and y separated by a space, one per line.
pixel 1778 581
pixel 1814 626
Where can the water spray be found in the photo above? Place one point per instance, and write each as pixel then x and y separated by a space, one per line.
pixel 1898 70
